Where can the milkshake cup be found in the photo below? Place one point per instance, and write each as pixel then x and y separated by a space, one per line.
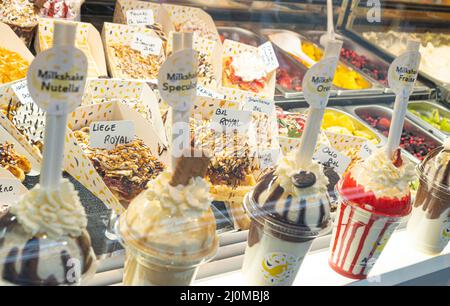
pixel 169 230
pixel 429 226
pixel 374 199
pixel 288 209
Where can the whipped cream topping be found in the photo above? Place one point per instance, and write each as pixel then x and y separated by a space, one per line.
pixel 55 213
pixel 171 219
pixel 249 66
pixel 379 175
pixel 435 61
pixel 288 167
pixel 447 144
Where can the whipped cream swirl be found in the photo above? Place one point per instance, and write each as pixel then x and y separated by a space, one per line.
pixel 379 175
pixel 288 167
pixel 54 213
pixel 249 66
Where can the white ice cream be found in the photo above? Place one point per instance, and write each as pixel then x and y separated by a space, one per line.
pixel 249 66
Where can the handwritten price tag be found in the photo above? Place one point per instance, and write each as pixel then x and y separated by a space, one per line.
pixel 146 44
pixel 140 17
pixel 10 189
pixel 20 88
pixel 109 134
pixel 254 104
pixel 328 156
pixel 268 56
pixel 229 119
pixel 268 157
pixel 366 150
pixel 208 93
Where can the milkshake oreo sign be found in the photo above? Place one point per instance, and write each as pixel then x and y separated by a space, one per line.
pixel 318 81
pixel 56 79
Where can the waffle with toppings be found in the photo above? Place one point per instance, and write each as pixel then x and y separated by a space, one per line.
pixel 132 64
pixel 232 79
pixel 231 169
pixel 126 169
pixel 14 162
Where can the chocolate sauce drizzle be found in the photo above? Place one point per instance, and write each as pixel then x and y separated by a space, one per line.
pixel 28 259
pixel 436 202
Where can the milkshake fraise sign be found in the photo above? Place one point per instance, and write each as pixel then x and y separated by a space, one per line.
pixel 403 72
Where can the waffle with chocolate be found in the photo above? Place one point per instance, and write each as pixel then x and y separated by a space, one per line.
pixel 14 162
pixel 126 169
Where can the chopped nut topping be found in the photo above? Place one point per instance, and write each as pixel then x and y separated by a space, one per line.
pixel 126 169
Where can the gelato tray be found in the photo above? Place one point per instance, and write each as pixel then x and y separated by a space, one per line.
pixel 435 50
pixel 359 57
pixel 340 122
pixel 347 80
pixel 415 140
pixel 289 74
pixel 431 116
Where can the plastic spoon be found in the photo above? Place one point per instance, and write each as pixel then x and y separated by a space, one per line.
pixel 291 44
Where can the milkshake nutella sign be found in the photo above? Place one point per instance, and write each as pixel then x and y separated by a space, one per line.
pixel 56 79
pixel 318 81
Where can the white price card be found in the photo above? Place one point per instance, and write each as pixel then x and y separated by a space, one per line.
pixel 268 56
pixel 330 157
pixel 268 157
pixel 140 17
pixel 20 88
pixel 10 189
pixel 146 44
pixel 209 93
pixel 230 119
pixel 255 104
pixel 366 149
pixel 109 134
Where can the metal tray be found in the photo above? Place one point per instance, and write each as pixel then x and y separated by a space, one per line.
pixel 376 110
pixel 375 86
pixel 392 56
pixel 358 122
pixel 293 68
pixel 371 57
pixel 426 107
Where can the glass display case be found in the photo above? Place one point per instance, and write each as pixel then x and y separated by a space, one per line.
pixel 152 222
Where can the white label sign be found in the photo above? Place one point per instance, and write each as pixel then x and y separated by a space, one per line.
pixel 140 17
pixel 403 72
pixel 268 56
pixel 10 189
pixel 208 93
pixel 20 88
pixel 330 157
pixel 318 81
pixel 268 157
pixel 366 150
pixel 146 44
pixel 109 134
pixel 254 104
pixel 230 119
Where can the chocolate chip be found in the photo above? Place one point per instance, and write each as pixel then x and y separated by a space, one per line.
pixel 304 179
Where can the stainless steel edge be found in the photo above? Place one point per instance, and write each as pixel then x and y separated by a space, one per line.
pixel 375 89
pixel 408 124
pixel 425 125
